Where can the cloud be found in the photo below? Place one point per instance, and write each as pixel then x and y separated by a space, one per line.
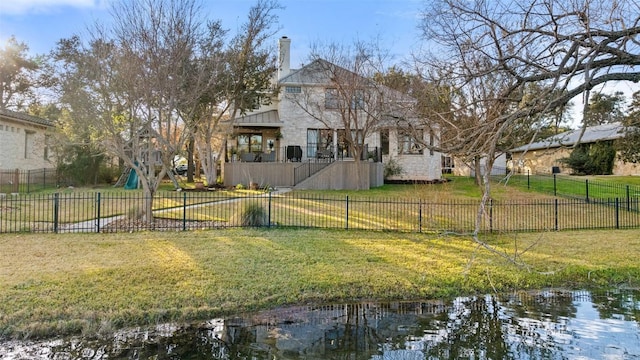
pixel 13 7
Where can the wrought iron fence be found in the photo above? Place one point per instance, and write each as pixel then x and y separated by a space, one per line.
pixel 65 212
pixel 574 187
pixel 25 181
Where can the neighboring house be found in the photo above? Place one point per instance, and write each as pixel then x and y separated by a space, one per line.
pixel 283 144
pixel 24 141
pixel 544 156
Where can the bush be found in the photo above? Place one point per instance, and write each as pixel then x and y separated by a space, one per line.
pixel 254 214
pixel 592 159
pixel 392 168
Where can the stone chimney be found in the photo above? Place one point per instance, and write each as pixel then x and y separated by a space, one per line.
pixel 284 58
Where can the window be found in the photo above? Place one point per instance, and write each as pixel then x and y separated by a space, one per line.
pixel 293 89
pixel 28 142
pixel 357 101
pixel 384 141
pixel 407 143
pixel 249 143
pixel 331 99
pixel 447 164
pixel 318 139
pixel 47 141
pixel 343 142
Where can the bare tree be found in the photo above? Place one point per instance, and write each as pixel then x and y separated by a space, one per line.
pixel 567 47
pixel 136 84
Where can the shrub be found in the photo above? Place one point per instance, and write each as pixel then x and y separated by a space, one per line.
pixel 392 168
pixel 254 214
pixel 592 159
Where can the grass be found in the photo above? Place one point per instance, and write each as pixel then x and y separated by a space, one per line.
pixel 93 284
pixel 596 187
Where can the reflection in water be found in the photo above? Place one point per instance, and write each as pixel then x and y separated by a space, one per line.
pixel 549 325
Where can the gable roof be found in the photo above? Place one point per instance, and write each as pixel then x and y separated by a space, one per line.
pixel 22 117
pixel 320 72
pixel 591 134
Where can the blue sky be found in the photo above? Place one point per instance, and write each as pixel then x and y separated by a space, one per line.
pixel 41 23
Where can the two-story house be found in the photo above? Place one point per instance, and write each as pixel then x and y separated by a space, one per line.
pixel 329 128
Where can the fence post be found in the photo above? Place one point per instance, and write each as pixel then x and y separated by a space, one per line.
pixel 269 212
pixel 555 185
pixel 98 202
pixel 28 181
pixel 628 199
pixel 617 213
pixel 56 211
pixel 420 215
pixel 528 180
pixel 586 184
pixel 490 216
pixel 184 211
pixel 556 213
pixel 346 226
pixel 16 181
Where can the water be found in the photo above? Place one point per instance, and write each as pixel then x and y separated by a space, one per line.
pixel 540 325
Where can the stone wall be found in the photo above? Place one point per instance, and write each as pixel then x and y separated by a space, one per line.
pixel 23 146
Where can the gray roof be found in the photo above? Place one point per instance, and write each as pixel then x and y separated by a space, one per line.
pixel 267 118
pixel 13 115
pixel 591 134
pixel 316 73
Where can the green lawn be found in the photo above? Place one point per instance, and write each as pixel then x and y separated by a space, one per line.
pixel 593 187
pixel 95 283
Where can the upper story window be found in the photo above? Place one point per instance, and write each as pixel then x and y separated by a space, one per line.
pixel 357 100
pixel 293 89
pixel 331 98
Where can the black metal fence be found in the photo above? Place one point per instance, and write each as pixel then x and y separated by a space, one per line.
pixel 25 181
pixel 119 212
pixel 574 187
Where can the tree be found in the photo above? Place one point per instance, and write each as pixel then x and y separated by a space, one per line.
pixel 605 108
pixel 592 159
pixel 629 146
pixel 566 47
pixel 19 75
pixel 242 78
pixel 134 85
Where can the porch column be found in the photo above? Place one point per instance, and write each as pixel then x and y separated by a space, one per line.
pixel 335 144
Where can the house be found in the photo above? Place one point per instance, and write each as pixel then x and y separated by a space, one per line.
pixel 300 140
pixel 544 156
pixel 24 141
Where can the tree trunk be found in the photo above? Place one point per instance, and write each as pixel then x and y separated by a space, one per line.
pixel 190 154
pixel 478 170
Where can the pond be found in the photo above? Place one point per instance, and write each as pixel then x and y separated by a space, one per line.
pixel 532 325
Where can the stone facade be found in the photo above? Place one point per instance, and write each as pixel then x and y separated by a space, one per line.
pixel 543 161
pixel 24 142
